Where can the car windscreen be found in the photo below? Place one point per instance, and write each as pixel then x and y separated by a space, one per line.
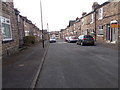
pixel 52 38
pixel 74 37
pixel 88 36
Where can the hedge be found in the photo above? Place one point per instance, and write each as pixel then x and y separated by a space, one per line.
pixel 29 40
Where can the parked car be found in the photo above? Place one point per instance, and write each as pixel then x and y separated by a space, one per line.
pixel 52 40
pixel 72 39
pixel 85 39
pixel 66 39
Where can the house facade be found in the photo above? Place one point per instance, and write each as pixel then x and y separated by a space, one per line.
pixel 107 22
pixel 0 32
pixel 102 23
pixel 10 39
pixel 14 27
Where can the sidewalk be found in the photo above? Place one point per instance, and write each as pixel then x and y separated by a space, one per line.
pixel 108 45
pixel 19 70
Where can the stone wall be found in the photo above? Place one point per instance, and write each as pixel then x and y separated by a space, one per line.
pixel 0 48
pixel 110 13
pixel 11 46
pixel 0 32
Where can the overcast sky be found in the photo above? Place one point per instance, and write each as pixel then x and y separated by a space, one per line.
pixel 56 13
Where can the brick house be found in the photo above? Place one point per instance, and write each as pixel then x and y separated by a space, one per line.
pixel 10 39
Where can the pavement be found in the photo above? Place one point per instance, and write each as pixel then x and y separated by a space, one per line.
pixel 68 65
pixel 19 70
pixel 108 45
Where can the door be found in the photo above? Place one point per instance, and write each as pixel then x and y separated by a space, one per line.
pixel 113 32
pixel 108 32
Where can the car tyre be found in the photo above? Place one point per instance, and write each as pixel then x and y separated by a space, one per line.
pixel 82 44
pixel 77 43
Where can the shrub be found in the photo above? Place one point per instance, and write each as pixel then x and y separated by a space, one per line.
pixel 29 40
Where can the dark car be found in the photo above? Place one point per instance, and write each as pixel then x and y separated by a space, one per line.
pixel 85 40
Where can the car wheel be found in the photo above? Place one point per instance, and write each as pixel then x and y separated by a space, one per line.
pixel 77 43
pixel 82 44
pixel 93 44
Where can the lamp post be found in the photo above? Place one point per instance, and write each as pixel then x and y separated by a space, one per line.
pixel 42 24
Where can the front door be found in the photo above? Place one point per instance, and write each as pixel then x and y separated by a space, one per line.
pixel 113 32
pixel 108 32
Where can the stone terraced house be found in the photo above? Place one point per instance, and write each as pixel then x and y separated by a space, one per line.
pixel 0 32
pixel 10 39
pixel 14 28
pixel 102 23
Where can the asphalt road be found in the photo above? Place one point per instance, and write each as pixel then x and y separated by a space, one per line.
pixel 68 65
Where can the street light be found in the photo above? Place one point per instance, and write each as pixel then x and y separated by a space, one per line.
pixel 42 24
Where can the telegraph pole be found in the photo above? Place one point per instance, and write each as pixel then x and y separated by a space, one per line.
pixel 48 30
pixel 42 24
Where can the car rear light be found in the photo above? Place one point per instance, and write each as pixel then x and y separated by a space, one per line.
pixel 84 38
pixel 92 38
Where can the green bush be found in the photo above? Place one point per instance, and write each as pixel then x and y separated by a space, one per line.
pixel 29 40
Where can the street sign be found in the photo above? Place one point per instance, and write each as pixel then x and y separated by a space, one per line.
pixel 114 24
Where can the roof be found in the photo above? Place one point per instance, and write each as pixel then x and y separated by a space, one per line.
pixel 105 3
pixel 71 22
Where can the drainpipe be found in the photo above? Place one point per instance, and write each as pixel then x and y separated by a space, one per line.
pixel 95 25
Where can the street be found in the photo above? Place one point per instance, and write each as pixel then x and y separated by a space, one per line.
pixel 68 65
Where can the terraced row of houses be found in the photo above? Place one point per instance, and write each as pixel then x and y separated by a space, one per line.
pixel 103 23
pixel 14 27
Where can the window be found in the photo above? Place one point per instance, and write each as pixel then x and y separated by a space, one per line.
pixel 100 13
pixel 6 29
pixel 92 18
pixel 100 30
pixel 18 18
pixel 88 36
pixel 83 21
pixel 7 0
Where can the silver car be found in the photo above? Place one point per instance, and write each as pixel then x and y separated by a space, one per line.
pixel 72 39
pixel 52 40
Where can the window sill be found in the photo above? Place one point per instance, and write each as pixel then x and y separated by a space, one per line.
pixel 100 35
pixel 8 41
pixel 100 18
